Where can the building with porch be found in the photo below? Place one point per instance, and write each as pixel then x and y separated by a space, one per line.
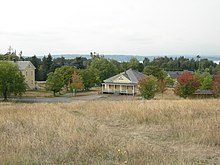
pixel 123 83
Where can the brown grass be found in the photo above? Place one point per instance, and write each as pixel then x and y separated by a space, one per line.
pixel 111 132
pixel 38 93
pixel 43 93
pixel 92 91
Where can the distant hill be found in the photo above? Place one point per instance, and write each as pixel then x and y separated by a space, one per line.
pixel 115 57
pixel 215 58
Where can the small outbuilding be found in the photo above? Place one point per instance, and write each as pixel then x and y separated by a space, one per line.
pixel 199 93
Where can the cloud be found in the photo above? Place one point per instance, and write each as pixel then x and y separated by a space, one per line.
pixel 125 26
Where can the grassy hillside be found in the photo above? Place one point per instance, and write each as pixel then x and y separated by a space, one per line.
pixel 111 132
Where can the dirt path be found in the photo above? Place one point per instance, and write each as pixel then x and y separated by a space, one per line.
pixel 69 98
pixel 62 98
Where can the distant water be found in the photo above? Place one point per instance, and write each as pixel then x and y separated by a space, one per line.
pixel 122 58
pixel 217 62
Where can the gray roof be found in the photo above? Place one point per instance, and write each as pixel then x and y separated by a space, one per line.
pixel 24 64
pixel 203 92
pixel 175 74
pixel 132 75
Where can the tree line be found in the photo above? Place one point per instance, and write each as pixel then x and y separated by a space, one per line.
pixel 91 72
pixel 49 64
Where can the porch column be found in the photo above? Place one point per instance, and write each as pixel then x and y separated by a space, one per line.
pixel 133 90
pixel 126 89
pixel 114 88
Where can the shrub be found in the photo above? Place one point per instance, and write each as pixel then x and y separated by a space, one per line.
pixel 169 81
pixel 148 87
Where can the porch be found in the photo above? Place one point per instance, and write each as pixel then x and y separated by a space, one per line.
pixel 129 89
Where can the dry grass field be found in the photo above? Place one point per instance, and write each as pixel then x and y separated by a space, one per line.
pixel 111 132
pixel 44 93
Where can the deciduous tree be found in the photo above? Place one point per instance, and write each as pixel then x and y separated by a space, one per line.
pixel 76 82
pixel 54 82
pixel 88 78
pixel 155 71
pixel 148 87
pixel 102 69
pixel 66 74
pixel 11 79
pixel 161 86
pixel 205 80
pixel 133 63
pixel 216 85
pixel 187 84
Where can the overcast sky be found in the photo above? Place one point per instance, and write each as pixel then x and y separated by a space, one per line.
pixel 137 27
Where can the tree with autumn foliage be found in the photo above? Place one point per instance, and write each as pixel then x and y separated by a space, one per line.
pixel 187 84
pixel 76 82
pixel 216 85
pixel 161 86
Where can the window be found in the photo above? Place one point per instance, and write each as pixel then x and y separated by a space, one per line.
pixel 31 73
pixel 120 78
pixel 32 82
pixel 26 73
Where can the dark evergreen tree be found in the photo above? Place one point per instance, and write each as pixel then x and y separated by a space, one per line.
pixel 36 62
pixel 146 61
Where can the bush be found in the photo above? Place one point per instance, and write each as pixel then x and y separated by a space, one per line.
pixel 169 81
pixel 148 87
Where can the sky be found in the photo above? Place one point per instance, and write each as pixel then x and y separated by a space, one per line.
pixel 130 27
